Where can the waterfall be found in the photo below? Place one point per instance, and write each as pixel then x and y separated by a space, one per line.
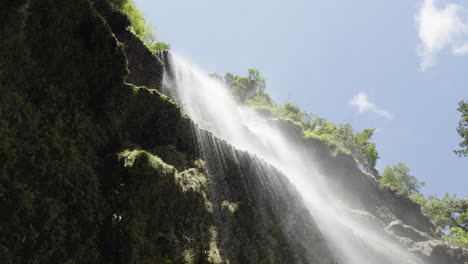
pixel 353 235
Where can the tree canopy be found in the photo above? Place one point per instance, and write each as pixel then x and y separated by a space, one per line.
pixel 448 214
pixel 398 178
pixel 243 87
pixel 140 27
pixel 463 128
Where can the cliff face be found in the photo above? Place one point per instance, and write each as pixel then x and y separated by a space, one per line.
pixel 96 165
pixel 394 216
pixel 94 169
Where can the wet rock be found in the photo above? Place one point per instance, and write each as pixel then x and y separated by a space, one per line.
pixel 144 68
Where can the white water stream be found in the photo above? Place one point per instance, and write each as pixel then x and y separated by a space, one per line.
pixel 209 104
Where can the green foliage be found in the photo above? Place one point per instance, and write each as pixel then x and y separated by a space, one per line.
pixel 243 87
pixel 140 27
pixel 398 178
pixel 458 236
pixel 439 210
pixel 251 89
pixel 155 162
pixel 463 128
pixel 292 112
pixel 158 212
pixel 448 214
pixel 345 139
pixel 157 46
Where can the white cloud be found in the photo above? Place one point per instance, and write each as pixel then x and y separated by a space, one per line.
pixel 361 101
pixel 441 28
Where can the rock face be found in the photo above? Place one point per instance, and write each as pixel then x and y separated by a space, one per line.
pixel 96 170
pixel 144 68
pixel 398 217
pixel 97 166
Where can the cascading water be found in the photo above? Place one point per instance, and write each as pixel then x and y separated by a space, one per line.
pixel 208 102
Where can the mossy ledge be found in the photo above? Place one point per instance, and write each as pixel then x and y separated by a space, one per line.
pixel 161 213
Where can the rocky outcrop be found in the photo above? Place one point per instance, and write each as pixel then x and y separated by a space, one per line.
pixel 145 69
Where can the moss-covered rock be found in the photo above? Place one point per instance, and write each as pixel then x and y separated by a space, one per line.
pixel 66 114
pixel 60 65
pixel 158 213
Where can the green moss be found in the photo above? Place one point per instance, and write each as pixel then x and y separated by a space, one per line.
pixel 213 254
pixel 194 179
pixel 60 65
pixel 65 113
pixel 200 164
pixel 231 207
pixel 189 256
pixel 155 162
pixel 161 212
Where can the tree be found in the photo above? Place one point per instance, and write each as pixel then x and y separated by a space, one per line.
pixel 293 112
pixel 244 88
pixel 439 210
pixel 398 178
pixel 449 214
pixel 366 151
pixel 256 80
pixel 229 79
pixel 458 236
pixel 463 129
pixel 140 27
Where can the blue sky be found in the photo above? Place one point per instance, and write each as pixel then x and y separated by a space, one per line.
pixel 398 66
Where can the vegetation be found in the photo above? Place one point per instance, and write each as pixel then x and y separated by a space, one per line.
pixel 140 27
pixel 213 254
pixel 463 128
pixel 243 88
pixel 231 207
pixel 398 178
pixel 157 201
pixel 52 85
pixel 250 90
pixel 343 137
pixel 65 114
pixel 448 214
pixel 94 170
